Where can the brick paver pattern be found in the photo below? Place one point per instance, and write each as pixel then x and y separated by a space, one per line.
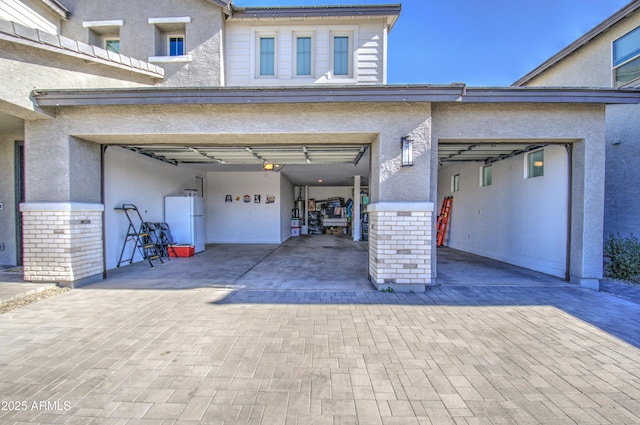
pixel 542 355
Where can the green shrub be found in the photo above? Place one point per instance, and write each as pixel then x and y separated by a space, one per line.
pixel 623 257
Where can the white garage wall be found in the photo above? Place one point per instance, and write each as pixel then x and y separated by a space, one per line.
pixel 516 220
pixel 136 179
pixel 240 222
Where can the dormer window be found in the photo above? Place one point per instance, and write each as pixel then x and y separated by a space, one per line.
pixel 171 40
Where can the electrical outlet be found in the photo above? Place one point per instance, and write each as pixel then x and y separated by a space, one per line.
pixel 1 247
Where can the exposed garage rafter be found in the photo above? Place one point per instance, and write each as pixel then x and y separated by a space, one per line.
pixel 487 153
pixel 150 154
pixel 289 154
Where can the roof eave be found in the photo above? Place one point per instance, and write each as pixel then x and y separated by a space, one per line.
pixel 391 11
pixel 58 8
pixel 226 6
pixel 580 42
pixel 454 93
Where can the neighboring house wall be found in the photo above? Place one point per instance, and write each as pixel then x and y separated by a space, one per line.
pixel 622 203
pixel 591 66
pixel 30 13
pixel 201 64
pixel 131 178
pixel 367 46
pixel 518 220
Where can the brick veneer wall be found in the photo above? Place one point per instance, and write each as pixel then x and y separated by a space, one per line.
pixel 62 242
pixel 400 235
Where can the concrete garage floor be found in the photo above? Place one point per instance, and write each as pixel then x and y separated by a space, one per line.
pixel 461 268
pixel 318 263
pixel 322 262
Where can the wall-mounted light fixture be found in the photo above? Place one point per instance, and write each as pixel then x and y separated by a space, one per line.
pixel 406 143
pixel 267 166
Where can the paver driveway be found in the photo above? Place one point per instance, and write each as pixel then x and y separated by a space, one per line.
pixel 454 355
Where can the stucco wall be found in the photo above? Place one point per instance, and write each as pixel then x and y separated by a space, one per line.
pixel 518 220
pixel 203 35
pixel 622 203
pixel 59 167
pixel 25 69
pixel 248 124
pixel 136 179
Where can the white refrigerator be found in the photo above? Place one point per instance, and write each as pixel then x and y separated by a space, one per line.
pixel 185 217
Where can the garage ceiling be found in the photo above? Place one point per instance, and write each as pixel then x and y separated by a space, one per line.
pixel 277 155
pixel 482 152
pixel 313 165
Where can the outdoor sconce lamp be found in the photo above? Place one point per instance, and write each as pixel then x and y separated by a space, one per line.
pixel 406 143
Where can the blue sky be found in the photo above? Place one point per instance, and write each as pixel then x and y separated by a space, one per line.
pixel 481 43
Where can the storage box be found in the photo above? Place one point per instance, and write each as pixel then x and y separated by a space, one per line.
pixel 181 250
pixel 295 231
pixel 295 222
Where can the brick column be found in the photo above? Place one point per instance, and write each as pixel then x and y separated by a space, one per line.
pixel 400 245
pixel 62 242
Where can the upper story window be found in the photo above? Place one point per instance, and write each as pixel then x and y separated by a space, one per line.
pixel 176 45
pixel 112 45
pixel 341 54
pixel 267 56
pixel 626 58
pixel 171 41
pixel 105 34
pixel 303 56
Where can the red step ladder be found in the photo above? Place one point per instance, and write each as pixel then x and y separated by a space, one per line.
pixel 443 220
